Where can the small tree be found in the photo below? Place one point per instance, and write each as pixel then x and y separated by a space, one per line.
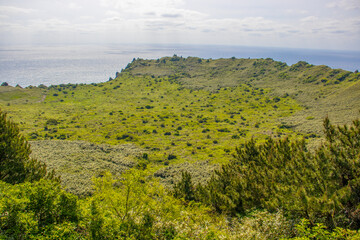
pixel 16 166
pixel 185 188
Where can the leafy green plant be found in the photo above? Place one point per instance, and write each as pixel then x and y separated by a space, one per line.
pixel 306 231
pixel 37 209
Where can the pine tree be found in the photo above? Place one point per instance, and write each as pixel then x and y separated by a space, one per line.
pixel 16 165
pixel 184 188
pixel 339 161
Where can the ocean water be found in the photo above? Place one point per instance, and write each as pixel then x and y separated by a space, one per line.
pixel 52 65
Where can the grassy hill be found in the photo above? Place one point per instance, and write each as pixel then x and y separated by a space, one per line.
pixel 180 148
pixel 184 113
pixel 320 90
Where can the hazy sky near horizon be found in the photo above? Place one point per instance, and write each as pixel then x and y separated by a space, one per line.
pixel 317 24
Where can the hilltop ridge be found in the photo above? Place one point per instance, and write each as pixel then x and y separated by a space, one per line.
pixel 321 90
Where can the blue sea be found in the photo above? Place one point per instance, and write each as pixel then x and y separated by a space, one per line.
pixel 52 65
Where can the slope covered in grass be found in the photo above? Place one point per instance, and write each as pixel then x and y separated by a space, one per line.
pixel 186 110
pixel 321 91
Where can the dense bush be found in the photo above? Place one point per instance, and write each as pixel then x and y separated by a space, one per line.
pixel 323 186
pixel 39 209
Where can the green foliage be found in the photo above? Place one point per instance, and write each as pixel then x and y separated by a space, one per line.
pixel 37 209
pixel 305 231
pixel 322 186
pixel 139 210
pixel 260 224
pixel 16 165
pixel 260 176
pixel 339 165
pixel 184 188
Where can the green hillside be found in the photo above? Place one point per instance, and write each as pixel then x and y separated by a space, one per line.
pixel 185 148
pixel 185 110
pixel 320 90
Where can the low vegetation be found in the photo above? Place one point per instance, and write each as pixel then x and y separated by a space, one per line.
pixel 77 162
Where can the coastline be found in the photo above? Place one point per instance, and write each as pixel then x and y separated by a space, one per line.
pixel 62 64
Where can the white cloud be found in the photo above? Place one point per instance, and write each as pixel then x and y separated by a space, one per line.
pixel 111 13
pixel 15 10
pixel 86 18
pixel 171 15
pixel 244 25
pixel 309 19
pixel 133 5
pixel 288 23
pixel 345 4
pixel 296 11
pixel 74 6
pixel 150 9
pixel 111 19
pixel 52 25
pixel 330 28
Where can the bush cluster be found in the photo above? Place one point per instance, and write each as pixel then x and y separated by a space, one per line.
pixel 321 186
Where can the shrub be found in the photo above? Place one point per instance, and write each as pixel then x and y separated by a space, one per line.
pixel 184 188
pixel 306 231
pixel 52 121
pixel 124 137
pixel 171 156
pixel 261 224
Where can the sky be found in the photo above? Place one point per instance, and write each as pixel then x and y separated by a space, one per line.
pixel 312 24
